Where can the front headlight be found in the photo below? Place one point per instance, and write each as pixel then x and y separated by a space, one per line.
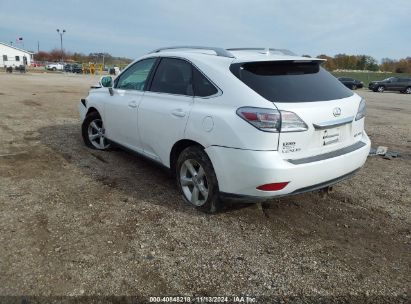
pixel 361 110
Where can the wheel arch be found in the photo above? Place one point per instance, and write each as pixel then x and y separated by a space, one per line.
pixel 177 148
pixel 91 110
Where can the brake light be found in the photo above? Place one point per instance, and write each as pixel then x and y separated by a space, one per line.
pixel 272 120
pixel 273 186
pixel 267 120
pixel 361 110
pixel 291 122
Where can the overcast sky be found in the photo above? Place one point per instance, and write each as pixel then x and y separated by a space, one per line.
pixel 380 28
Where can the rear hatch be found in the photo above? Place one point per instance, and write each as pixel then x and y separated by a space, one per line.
pixel 301 89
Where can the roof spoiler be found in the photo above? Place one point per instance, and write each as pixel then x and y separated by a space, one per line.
pixel 265 50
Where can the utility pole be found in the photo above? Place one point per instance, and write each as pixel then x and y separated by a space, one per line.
pixel 61 41
pixel 38 46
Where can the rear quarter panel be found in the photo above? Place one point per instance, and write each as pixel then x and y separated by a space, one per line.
pixel 228 129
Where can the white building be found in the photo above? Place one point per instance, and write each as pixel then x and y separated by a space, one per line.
pixel 13 56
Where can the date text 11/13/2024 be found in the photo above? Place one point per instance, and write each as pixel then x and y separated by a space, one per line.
pixel 203 299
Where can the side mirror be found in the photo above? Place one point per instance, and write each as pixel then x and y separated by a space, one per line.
pixel 106 82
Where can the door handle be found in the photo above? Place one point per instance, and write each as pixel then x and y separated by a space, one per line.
pixel 178 113
pixel 132 104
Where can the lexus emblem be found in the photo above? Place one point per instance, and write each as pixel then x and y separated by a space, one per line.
pixel 336 112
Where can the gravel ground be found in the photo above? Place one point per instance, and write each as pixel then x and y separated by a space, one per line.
pixel 79 222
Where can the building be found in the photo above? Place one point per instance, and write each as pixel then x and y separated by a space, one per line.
pixel 11 56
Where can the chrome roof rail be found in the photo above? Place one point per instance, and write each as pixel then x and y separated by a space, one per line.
pixel 283 51
pixel 219 51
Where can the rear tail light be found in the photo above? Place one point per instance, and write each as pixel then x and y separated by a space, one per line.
pixel 290 122
pixel 271 120
pixel 263 119
pixel 273 186
pixel 361 110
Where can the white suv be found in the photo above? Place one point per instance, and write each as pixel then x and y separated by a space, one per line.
pixel 245 123
pixel 55 67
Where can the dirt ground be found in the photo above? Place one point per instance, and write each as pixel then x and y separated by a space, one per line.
pixel 75 221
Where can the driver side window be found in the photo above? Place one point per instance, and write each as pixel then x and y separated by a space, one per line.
pixel 135 77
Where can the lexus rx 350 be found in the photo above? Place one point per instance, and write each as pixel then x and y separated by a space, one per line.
pixel 244 123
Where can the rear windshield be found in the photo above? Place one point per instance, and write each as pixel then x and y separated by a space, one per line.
pixel 290 81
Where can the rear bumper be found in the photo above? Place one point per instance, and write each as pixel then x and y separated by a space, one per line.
pixel 249 198
pixel 239 172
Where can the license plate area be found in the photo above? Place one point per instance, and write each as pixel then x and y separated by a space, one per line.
pixel 330 136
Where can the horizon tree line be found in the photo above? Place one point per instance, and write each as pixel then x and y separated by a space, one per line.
pixel 337 62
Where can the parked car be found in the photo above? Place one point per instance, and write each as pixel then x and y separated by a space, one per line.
pixel 391 84
pixel 55 67
pixel 21 68
pixel 36 64
pixel 351 83
pixel 73 68
pixel 244 123
pixel 67 68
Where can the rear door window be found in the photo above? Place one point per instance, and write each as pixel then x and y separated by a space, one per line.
pixel 290 81
pixel 173 76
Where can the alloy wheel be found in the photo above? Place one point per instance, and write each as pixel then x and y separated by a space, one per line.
pixel 193 182
pixel 96 134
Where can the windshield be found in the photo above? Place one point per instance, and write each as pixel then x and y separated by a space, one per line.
pixel 290 81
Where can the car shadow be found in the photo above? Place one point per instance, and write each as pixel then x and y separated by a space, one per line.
pixel 134 175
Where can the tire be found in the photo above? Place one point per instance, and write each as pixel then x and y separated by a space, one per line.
pixel 92 131
pixel 408 90
pixel 197 181
pixel 353 87
pixel 54 69
pixel 381 89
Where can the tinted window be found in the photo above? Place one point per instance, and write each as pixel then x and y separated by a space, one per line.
pixel 289 81
pixel 17 58
pixel 202 86
pixel 173 76
pixel 135 77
